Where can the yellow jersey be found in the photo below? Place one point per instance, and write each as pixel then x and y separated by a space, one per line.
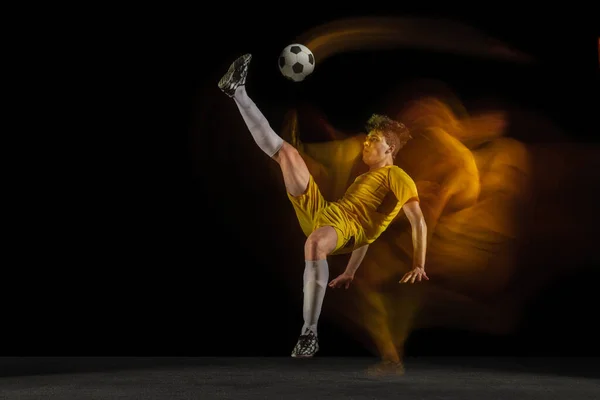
pixel 365 211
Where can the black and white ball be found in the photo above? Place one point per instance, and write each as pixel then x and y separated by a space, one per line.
pixel 296 62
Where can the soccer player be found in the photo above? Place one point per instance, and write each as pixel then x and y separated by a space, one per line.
pixel 347 225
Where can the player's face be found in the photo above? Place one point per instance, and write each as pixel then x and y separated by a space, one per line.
pixel 375 148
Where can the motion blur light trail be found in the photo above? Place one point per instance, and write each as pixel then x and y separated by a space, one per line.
pixel 410 32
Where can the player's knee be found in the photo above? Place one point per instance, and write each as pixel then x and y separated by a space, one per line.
pixel 287 154
pixel 314 248
pixel 320 243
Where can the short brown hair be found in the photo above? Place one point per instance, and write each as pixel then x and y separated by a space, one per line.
pixel 396 133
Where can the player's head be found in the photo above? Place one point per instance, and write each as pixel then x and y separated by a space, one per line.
pixel 393 133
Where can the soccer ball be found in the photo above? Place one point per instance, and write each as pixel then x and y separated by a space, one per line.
pixel 296 62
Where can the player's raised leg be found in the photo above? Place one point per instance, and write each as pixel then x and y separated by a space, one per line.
pixel 294 169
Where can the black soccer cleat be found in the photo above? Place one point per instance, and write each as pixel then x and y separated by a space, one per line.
pixel 236 75
pixel 307 345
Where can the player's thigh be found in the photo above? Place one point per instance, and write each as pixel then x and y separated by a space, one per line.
pixel 295 172
pixel 308 206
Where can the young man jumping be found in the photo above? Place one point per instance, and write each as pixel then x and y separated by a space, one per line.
pixel 349 224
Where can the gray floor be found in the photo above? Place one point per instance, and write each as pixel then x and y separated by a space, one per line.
pixel 286 378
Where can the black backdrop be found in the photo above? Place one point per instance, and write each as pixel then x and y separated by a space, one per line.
pixel 170 268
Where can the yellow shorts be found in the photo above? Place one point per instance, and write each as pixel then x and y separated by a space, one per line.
pixel 313 211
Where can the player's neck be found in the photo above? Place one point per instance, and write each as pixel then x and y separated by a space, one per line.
pixel 383 163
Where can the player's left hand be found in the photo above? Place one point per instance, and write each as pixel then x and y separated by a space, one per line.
pixel 415 274
pixel 343 280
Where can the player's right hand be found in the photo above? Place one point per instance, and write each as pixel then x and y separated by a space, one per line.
pixel 342 280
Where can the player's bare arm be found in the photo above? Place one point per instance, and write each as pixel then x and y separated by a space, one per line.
pixel 414 214
pixel 346 277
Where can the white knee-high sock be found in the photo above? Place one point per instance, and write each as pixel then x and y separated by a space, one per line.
pixel 316 276
pixel 256 122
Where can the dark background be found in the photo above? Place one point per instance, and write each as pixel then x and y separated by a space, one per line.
pixel 169 261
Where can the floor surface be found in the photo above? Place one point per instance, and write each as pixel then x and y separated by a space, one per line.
pixel 287 378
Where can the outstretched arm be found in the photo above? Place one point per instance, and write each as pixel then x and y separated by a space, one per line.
pixel 413 212
pixel 348 275
pixel 355 259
